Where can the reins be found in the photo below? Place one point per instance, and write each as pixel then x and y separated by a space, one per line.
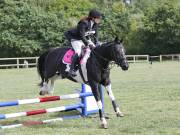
pixel 112 63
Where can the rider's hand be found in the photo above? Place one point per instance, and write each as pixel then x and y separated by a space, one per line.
pixel 91 46
pixel 98 43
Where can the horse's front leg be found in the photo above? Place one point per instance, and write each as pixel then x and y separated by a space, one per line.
pixel 111 96
pixel 95 91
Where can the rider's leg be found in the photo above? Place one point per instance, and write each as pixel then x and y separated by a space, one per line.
pixel 72 71
pixel 77 46
pixel 87 53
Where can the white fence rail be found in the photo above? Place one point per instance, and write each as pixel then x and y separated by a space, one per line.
pixel 173 57
pixel 138 58
pixel 26 62
pixel 18 62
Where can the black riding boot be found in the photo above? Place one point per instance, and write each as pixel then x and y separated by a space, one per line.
pixel 72 71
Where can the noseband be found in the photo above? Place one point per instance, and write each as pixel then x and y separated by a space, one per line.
pixel 117 61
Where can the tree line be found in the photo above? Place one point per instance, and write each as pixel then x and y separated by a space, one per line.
pixel 31 27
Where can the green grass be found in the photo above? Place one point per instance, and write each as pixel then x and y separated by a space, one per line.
pixel 149 96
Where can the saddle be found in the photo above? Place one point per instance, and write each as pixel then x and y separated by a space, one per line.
pixel 67 59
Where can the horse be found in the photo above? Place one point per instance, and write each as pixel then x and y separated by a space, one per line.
pixel 94 72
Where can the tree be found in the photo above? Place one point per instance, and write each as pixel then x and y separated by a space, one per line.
pixel 115 22
pixel 27 30
pixel 161 31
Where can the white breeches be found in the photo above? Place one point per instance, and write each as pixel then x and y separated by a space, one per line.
pixel 78 44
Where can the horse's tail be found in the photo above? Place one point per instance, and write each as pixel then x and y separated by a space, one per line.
pixel 41 67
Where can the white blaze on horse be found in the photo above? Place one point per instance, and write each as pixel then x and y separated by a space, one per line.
pixel 56 62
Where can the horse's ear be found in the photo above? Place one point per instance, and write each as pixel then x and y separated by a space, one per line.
pixel 116 39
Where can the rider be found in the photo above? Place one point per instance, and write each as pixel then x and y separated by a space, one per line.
pixel 81 36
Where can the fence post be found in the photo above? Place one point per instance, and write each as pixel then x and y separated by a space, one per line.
pixel 160 58
pixel 36 60
pixel 134 59
pixel 147 58
pixel 17 63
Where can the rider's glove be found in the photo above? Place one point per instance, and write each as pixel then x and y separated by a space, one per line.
pixel 91 46
pixel 98 43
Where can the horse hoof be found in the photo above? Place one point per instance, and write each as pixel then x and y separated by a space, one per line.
pixel 104 126
pixel 120 114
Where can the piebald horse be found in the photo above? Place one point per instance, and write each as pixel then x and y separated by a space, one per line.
pixel 94 72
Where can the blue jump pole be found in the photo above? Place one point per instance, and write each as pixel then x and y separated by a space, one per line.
pixel 84 100
pixel 10 103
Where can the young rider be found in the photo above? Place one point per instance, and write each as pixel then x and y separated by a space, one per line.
pixel 81 35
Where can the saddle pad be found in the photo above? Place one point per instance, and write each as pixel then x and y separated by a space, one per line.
pixel 68 56
pixel 67 59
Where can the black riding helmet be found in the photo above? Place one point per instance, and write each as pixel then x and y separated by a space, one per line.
pixel 94 14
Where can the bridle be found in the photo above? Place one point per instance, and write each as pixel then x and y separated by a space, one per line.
pixel 110 64
pixel 118 61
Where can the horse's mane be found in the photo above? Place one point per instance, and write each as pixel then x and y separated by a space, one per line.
pixel 103 48
pixel 107 43
pixel 104 45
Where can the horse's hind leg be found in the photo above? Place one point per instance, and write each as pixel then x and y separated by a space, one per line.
pixel 44 88
pixel 51 87
pixel 48 88
pixel 111 96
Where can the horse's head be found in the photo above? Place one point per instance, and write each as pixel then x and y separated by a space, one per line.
pixel 118 54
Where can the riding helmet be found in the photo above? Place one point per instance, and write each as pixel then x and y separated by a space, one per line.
pixel 94 14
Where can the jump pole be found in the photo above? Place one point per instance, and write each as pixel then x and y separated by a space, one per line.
pixel 42 111
pixel 85 96
pixel 48 121
pixel 44 99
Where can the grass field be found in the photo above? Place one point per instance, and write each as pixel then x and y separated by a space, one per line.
pixel 149 96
